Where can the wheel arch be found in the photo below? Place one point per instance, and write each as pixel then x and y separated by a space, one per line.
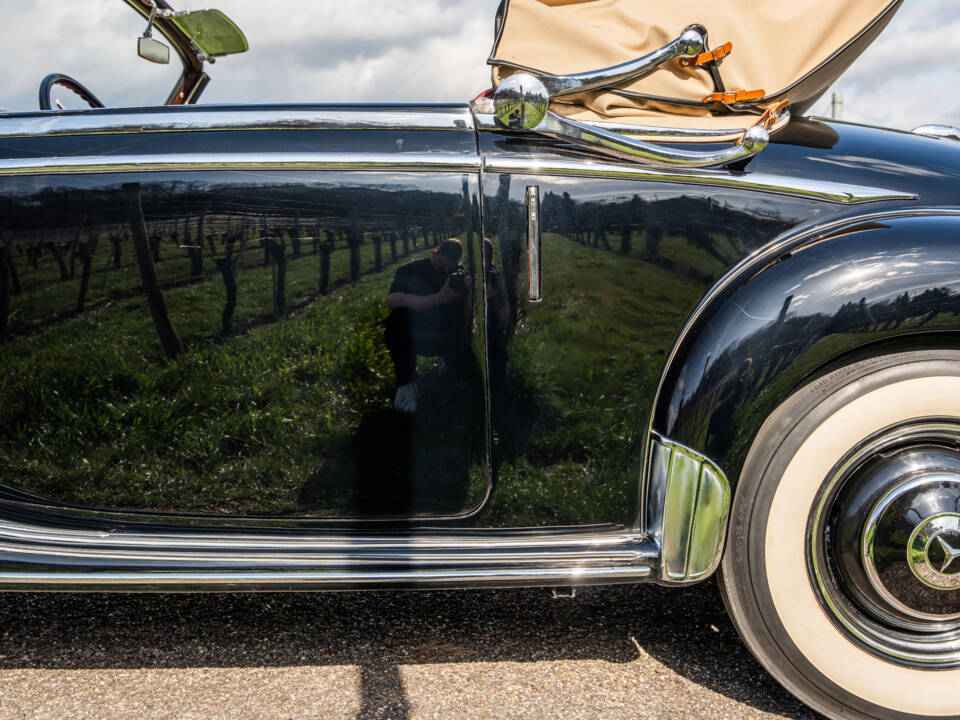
pixel 812 301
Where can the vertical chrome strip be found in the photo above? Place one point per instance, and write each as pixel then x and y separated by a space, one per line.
pixel 533 243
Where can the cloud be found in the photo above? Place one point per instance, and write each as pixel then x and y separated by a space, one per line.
pixel 427 51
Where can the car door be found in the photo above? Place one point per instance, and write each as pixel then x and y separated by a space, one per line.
pixel 596 265
pixel 194 310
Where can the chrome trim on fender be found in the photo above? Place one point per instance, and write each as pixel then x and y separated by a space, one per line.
pixel 238 161
pixel 203 119
pixel 841 193
pixel 693 496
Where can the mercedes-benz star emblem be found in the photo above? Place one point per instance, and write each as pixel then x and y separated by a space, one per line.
pixel 950 554
pixel 934 551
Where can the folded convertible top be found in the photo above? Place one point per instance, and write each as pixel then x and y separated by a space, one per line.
pixel 763 52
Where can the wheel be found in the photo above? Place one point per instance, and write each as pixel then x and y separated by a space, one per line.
pixel 53 80
pixel 842 568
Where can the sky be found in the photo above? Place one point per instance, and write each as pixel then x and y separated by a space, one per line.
pixel 427 51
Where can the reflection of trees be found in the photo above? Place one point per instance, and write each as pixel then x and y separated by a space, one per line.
pixel 712 228
pixel 754 362
pixel 83 232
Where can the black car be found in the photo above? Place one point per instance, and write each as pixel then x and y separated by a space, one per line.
pixel 502 343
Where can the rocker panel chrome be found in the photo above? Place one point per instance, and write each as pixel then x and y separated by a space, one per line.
pixel 762 182
pixel 238 161
pixel 203 119
pixel 77 559
pixel 272 581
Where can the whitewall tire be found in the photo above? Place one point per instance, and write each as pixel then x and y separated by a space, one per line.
pixel 817 575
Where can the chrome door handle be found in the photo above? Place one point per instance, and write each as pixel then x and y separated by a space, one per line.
pixel 534 277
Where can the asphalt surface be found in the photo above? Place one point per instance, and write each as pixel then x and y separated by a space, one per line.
pixel 613 652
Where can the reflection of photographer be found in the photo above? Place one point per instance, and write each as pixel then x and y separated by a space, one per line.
pixel 431 303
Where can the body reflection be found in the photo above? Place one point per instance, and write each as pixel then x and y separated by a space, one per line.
pixel 221 345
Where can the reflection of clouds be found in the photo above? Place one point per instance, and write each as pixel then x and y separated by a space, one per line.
pixel 860 287
pixel 889 167
pixel 822 271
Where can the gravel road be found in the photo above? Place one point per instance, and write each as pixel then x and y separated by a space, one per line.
pixel 613 652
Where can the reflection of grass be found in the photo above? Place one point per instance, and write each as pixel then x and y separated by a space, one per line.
pixel 587 357
pixel 91 412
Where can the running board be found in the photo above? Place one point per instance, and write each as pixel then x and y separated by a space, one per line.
pixel 43 558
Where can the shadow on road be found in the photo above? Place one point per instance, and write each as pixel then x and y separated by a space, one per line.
pixel 686 630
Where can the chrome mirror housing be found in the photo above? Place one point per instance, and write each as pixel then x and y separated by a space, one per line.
pixel 153 50
pixel 521 102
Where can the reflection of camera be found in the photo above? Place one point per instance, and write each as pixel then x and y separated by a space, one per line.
pixel 493 274
pixel 458 280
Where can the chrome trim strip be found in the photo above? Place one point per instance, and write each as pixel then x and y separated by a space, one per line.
pixel 36 534
pixel 841 193
pixel 238 161
pixel 204 119
pixel 91 559
pixel 320 579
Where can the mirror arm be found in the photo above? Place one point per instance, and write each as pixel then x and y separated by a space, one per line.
pixel 753 141
pixel 153 13
pixel 690 44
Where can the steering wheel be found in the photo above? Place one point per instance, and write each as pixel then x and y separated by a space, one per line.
pixel 48 83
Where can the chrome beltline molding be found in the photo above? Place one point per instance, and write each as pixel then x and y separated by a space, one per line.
pixel 204 119
pixel 762 182
pixel 238 161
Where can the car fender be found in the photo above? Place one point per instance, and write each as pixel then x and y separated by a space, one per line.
pixel 887 279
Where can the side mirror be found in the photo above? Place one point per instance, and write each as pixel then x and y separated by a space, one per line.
pixel 147 47
pixel 153 50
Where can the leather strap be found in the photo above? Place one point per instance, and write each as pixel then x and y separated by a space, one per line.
pixel 712 56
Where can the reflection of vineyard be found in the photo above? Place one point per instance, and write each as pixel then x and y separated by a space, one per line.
pixel 619 280
pixel 276 303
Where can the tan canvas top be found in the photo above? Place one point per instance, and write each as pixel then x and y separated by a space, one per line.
pixel 783 47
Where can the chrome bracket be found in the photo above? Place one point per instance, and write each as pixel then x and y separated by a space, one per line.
pixel 690 44
pixel 687 503
pixel 522 102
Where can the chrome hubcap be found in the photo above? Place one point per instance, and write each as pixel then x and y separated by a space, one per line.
pixel 885 544
pixel 913 527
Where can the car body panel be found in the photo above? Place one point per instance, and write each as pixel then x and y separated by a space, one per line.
pixel 630 256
